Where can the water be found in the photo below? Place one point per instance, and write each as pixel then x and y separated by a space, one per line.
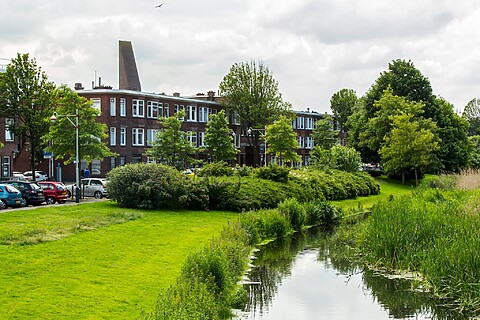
pixel 297 278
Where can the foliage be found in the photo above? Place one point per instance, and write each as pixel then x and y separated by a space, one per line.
pixel 216 169
pixel 282 140
pixel 251 92
pixel 338 157
pixel 218 137
pixel 148 186
pixel 294 212
pixel 27 96
pixel 342 104
pixel 171 145
pixel 323 134
pixel 474 154
pixel 91 134
pixel 273 172
pixel 320 212
pixel 471 113
pixel 410 145
pixel 433 232
pixel 264 224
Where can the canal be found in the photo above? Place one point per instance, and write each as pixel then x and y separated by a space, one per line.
pixel 299 278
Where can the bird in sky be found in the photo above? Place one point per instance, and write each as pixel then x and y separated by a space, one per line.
pixel 161 4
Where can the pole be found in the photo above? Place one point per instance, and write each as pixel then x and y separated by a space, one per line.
pixel 265 156
pixel 77 178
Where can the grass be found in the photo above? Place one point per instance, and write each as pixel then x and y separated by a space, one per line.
pixel 94 261
pixel 388 188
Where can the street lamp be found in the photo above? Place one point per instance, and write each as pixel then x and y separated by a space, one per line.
pixel 264 132
pixel 53 118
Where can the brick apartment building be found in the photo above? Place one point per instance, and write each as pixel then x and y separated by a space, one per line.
pixel 132 120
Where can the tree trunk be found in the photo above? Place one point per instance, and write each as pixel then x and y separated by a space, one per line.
pixel 403 176
pixel 416 177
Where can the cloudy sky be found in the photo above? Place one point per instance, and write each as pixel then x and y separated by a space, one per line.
pixel 313 48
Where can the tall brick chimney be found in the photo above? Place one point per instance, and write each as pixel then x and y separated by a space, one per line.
pixel 128 73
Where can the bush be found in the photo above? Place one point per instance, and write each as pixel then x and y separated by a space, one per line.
pixel 273 173
pixel 294 212
pixel 321 212
pixel 264 224
pixel 148 186
pixel 216 169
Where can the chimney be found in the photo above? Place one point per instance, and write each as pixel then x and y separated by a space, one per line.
pixel 128 72
pixel 78 86
pixel 308 109
pixel 211 94
pixel 176 94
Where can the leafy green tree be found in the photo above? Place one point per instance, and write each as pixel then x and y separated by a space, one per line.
pixel 410 145
pixel 282 140
pixel 27 96
pixel 338 157
pixel 342 104
pixel 219 139
pixel 474 154
pixel 91 133
pixel 471 113
pixel 323 134
pixel 251 93
pixel 171 145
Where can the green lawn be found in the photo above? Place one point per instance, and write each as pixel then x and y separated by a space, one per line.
pixel 94 261
pixel 388 187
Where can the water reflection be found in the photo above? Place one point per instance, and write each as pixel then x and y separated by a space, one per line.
pixel 301 278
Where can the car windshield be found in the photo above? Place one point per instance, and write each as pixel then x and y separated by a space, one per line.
pixel 60 187
pixel 11 189
pixel 35 186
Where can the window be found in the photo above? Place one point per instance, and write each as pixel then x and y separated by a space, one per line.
pixel 113 107
pixel 237 140
pixel 192 137
pixel 96 166
pixel 192 113
pixel 151 160
pixel 309 142
pixel 122 161
pixel 151 135
pixel 113 136
pixel 307 160
pixel 123 107
pixel 136 159
pixel 123 136
pixel 201 139
pixel 233 118
pixel 138 137
pixel 203 113
pixel 301 142
pixel 138 108
pixel 6 166
pixel 9 122
pixel 112 163
pixel 309 123
pixel 152 109
pixel 294 124
pixel 166 110
pixel 301 123
pixel 97 104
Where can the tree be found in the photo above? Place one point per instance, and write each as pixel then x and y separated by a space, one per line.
pixel 323 133
pixel 410 145
pixel 171 145
pixel 342 104
pixel 338 157
pixel 219 139
pixel 472 114
pixel 251 93
pixel 91 133
pixel 282 140
pixel 27 96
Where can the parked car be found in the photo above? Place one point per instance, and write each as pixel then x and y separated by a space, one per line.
pixel 31 192
pixel 54 191
pixel 90 187
pixel 18 176
pixel 10 196
pixel 39 176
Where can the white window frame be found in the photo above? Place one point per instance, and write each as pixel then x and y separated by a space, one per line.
pixel 123 136
pixel 97 104
pixel 123 107
pixel 309 142
pixel 113 107
pixel 166 110
pixel 138 137
pixel 151 135
pixel 113 136
pixel 300 123
pixel 203 114
pixel 301 142
pixel 192 113
pixel 310 123
pixel 201 139
pixel 192 138
pixel 152 109
pixel 138 108
pixel 9 135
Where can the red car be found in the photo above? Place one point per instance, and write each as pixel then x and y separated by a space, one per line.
pixel 54 191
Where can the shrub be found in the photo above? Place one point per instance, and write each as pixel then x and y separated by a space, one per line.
pixel 321 212
pixel 216 169
pixel 264 224
pixel 147 186
pixel 274 173
pixel 294 212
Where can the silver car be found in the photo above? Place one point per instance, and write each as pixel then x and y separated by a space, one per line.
pixel 91 187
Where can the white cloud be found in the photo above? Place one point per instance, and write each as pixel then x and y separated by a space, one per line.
pixel 314 48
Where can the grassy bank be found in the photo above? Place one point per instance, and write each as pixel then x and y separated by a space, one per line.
pixel 98 262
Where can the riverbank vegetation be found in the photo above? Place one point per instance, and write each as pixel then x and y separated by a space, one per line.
pixel 433 231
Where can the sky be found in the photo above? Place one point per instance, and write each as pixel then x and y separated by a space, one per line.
pixel 312 48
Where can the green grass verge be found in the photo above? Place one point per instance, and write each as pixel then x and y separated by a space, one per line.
pixel 98 262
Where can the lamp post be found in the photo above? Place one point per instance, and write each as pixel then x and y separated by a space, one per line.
pixel 264 131
pixel 53 118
